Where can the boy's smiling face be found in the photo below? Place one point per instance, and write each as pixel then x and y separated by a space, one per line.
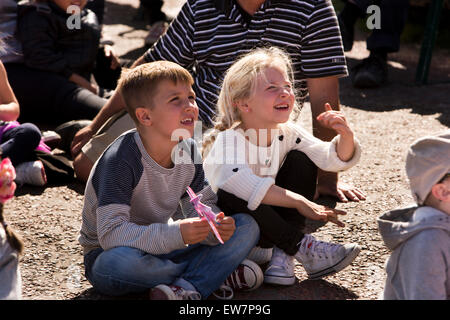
pixel 173 107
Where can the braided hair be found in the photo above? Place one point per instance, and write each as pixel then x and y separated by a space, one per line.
pixel 239 84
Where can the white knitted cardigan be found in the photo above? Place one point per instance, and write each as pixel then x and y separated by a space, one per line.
pixel 237 166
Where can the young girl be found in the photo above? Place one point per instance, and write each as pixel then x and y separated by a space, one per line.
pixel 18 141
pixel 265 165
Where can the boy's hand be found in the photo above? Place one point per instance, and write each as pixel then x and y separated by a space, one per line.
pixel 316 211
pixel 194 230
pixel 335 120
pixel 225 226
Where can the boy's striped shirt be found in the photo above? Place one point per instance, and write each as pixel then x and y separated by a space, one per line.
pixel 209 35
pixel 130 200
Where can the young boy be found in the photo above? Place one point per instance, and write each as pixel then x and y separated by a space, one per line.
pixel 419 267
pixel 139 229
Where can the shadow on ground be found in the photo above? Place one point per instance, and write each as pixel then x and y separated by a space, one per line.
pixel 301 290
pixel 401 91
pixel 120 13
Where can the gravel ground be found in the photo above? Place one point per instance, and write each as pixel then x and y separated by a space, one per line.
pixel 385 121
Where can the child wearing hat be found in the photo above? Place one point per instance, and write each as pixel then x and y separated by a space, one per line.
pixel 419 236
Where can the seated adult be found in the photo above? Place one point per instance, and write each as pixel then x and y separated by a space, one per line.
pixel 49 65
pixel 207 36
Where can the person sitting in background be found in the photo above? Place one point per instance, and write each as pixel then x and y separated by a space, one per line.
pixel 372 71
pixel 18 141
pixel 49 65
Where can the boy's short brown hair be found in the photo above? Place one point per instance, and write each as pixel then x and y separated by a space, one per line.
pixel 137 86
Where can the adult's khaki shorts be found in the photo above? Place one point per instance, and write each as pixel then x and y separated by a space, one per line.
pixel 111 129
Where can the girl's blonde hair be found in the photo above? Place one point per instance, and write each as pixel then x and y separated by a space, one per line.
pixel 239 84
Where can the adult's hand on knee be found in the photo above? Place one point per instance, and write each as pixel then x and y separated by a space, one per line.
pixel 80 139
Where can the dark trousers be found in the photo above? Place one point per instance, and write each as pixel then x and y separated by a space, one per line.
pixel 279 226
pixel 50 98
pixel 18 144
pixel 393 18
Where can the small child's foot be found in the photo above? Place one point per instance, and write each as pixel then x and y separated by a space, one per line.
pixel 32 173
pixel 321 259
pixel 280 269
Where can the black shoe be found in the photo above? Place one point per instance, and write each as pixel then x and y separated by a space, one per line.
pixel 68 130
pixel 370 73
pixel 347 34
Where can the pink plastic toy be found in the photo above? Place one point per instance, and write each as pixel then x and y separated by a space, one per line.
pixel 7 184
pixel 204 212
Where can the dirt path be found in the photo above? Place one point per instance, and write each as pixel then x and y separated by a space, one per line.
pixel 385 121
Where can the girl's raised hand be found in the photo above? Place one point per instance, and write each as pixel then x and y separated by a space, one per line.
pixel 334 120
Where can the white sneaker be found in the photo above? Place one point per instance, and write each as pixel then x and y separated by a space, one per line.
pixel 32 173
pixel 281 269
pixel 172 292
pixel 323 258
pixel 260 255
pixel 248 276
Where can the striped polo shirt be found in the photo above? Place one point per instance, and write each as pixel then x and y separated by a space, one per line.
pixel 209 35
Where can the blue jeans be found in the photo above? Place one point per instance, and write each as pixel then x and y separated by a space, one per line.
pixel 203 268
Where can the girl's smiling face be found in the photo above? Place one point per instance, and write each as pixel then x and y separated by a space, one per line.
pixel 64 4
pixel 272 100
pixel 174 108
